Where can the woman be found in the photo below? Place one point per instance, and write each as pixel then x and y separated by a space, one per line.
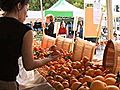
pixel 62 29
pixel 49 28
pixel 81 29
pixel 15 41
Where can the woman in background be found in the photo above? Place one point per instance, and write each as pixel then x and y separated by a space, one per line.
pixel 81 29
pixel 49 28
pixel 62 29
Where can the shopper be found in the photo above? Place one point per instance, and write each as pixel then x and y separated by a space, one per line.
pixel 62 29
pixel 81 29
pixel 15 41
pixel 49 27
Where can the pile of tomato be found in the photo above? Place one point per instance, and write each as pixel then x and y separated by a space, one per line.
pixel 67 74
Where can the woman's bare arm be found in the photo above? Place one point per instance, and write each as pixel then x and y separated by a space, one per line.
pixel 27 54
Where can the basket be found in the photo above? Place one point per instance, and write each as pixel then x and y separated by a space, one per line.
pixel 47 41
pixel 89 50
pixel 64 43
pixel 83 48
pixel 59 42
pixel 111 57
pixel 78 49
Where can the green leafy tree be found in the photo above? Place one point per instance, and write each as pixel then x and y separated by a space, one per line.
pixel 35 4
pixel 77 3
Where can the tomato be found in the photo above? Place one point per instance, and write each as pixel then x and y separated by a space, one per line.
pixel 36 48
pixel 53 48
pixel 49 78
pixel 65 84
pixel 58 78
pixel 63 74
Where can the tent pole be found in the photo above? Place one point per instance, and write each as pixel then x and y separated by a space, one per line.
pixel 75 26
pixel 109 19
pixel 84 23
pixel 42 15
pixel 74 29
pixel 98 27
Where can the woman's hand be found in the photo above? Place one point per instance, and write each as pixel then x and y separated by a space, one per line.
pixel 43 25
pixel 55 55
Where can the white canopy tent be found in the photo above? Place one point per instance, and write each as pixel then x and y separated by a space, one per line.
pixel 64 9
pixel 33 16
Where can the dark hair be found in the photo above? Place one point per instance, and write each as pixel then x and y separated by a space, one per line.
pixel 81 23
pixel 8 5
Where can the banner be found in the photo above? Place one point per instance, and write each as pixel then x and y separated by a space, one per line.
pixel 88 1
pixel 75 23
pixel 56 27
pixel 96 11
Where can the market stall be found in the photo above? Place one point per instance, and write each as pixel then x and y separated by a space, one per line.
pixel 64 9
pixel 77 69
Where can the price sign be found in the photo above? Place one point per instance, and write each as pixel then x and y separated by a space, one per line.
pixel 96 11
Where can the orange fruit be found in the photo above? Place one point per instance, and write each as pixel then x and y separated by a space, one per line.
pixel 110 81
pixel 98 85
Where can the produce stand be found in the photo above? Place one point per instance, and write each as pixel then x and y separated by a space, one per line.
pixel 76 69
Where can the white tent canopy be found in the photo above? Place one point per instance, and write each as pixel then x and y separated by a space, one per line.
pixel 63 6
pixel 33 16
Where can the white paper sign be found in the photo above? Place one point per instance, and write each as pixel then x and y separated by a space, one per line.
pixel 56 27
pixel 88 1
pixel 75 23
pixel 96 11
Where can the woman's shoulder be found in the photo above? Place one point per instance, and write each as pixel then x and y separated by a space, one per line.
pixel 8 19
pixel 14 23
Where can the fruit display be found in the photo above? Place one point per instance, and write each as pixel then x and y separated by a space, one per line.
pixel 67 74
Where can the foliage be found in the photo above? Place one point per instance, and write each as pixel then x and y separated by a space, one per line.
pixel 35 4
pixel 77 3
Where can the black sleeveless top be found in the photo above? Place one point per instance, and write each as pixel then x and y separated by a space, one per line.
pixel 11 38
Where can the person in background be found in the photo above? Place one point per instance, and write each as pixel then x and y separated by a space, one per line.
pixel 104 33
pixel 81 29
pixel 31 23
pixel 16 40
pixel 62 29
pixel 115 35
pixel 49 27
